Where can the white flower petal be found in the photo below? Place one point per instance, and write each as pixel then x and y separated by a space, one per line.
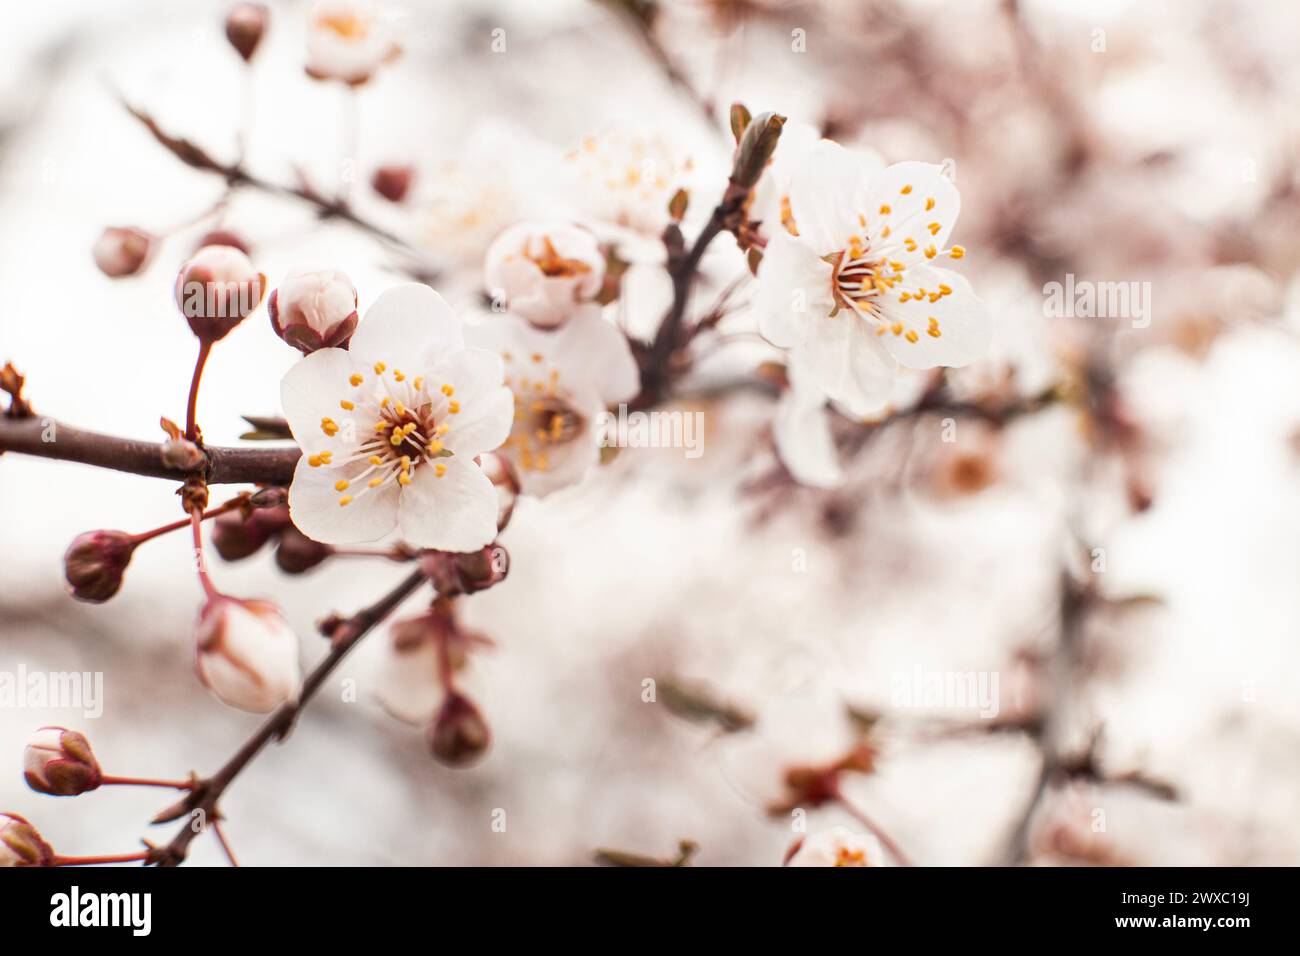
pixel 310 391
pixel 483 424
pixel 908 216
pixel 591 350
pixel 961 320
pixel 315 509
pixel 455 512
pixel 794 290
pixel 803 439
pixel 849 362
pixel 827 195
pixel 408 324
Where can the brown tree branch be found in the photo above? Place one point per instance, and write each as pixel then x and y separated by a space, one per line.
pixel 200 805
pixel 47 438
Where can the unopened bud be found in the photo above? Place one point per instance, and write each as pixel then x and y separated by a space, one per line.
pixel 505 479
pixel 247 653
pixel 392 182
pixel 181 454
pixel 21 844
pixel 314 310
pixel 756 148
pixel 237 536
pixel 297 553
pixel 453 573
pixel 216 289
pixel 459 736
pixel 122 251
pixel 60 762
pixel 95 562
pixel 245 25
pixel 224 237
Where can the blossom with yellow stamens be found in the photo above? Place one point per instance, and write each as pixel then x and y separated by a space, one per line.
pixel 854 291
pixel 561 381
pixel 403 456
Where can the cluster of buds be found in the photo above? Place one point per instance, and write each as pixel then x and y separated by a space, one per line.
pixel 425 655
pixel 240 534
pixel 314 310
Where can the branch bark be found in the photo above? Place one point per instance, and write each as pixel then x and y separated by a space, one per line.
pixel 203 799
pixel 47 438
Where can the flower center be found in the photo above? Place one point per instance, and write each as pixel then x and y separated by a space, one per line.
pixel 553 264
pixel 349 26
pixel 402 424
pixel 846 857
pixel 544 417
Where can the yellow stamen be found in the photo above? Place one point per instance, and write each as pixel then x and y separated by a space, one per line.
pixel 346 405
pixel 448 391
pixel 341 485
pixel 910 336
pixel 906 189
pixel 439 469
pixel 929 204
pixel 345 501
pixel 356 379
pixel 454 407
pixel 379 368
pixel 956 252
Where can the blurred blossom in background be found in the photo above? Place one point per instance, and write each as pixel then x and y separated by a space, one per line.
pixel 1056 626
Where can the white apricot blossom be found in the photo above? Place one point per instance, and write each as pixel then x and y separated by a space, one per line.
pixel 851 281
pixel 390 429
pixel 839 846
pixel 545 271
pixel 561 382
pixel 627 177
pixel 802 430
pixel 347 40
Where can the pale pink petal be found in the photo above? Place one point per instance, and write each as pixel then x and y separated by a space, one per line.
pixel 315 509
pixel 454 512
pixel 311 391
pixel 906 190
pixel 794 291
pixel 408 325
pixel 591 350
pixel 849 362
pixel 961 321
pixel 827 194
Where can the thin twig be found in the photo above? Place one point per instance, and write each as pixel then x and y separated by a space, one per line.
pixel 201 804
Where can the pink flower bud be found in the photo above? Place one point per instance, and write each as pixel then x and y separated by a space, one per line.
pixel 314 310
pixel 392 182
pixel 224 237
pixel 247 653
pixel 459 736
pixel 237 536
pixel 122 251
pixel 21 845
pixel 245 25
pixel 297 553
pixel 505 479
pixel 60 762
pixel 544 270
pixel 95 562
pixel 218 288
pixel 453 573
